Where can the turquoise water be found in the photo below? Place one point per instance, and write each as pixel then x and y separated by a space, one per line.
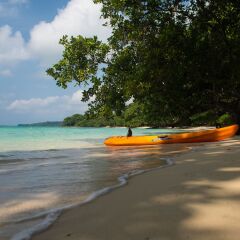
pixel 47 168
pixel 43 138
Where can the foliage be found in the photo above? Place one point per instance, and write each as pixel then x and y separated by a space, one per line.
pixel 71 121
pixel 204 118
pixel 80 63
pixel 225 120
pixel 132 118
pixel 176 59
pixel 42 124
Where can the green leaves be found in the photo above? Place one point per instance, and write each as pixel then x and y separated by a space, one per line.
pixel 177 59
pixel 81 61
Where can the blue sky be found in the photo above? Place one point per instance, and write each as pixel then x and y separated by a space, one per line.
pixel 29 34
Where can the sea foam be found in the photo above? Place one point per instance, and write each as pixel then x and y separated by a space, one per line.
pixel 53 214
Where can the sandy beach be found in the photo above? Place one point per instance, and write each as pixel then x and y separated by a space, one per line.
pixel 198 198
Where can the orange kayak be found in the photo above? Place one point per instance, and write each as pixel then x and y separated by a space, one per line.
pixel 213 135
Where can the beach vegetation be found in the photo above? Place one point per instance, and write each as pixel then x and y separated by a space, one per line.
pixel 43 124
pixel 225 120
pixel 71 121
pixel 204 118
pixel 178 61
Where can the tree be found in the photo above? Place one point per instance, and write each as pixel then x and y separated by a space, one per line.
pixel 176 58
pixel 73 120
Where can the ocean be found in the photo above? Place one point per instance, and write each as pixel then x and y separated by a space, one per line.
pixel 44 170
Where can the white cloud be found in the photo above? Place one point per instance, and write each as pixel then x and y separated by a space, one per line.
pixel 131 100
pixel 79 17
pixel 5 73
pixel 58 106
pixel 12 46
pixel 76 96
pixel 25 105
pixel 10 8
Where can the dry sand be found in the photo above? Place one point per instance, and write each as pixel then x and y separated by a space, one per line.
pixel 197 199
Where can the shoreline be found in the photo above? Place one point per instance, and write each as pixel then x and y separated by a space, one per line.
pixel 122 180
pixel 192 197
pixel 93 170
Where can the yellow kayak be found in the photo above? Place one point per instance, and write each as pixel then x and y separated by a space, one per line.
pixel 213 135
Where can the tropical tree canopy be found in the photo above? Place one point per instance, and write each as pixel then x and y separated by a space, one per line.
pixel 172 59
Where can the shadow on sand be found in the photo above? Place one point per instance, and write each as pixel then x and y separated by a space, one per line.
pixel 197 199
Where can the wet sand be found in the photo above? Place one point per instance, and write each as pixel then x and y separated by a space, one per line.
pixel 197 199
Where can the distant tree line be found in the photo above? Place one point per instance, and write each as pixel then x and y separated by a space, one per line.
pixel 177 61
pixel 131 119
pixel 43 124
